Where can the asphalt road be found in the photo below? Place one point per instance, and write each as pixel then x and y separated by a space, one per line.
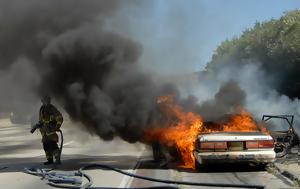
pixel 225 174
pixel 19 149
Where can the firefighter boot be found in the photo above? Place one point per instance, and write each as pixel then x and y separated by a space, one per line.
pixel 48 162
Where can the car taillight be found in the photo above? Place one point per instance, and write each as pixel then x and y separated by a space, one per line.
pixel 266 144
pixel 213 146
pixel 207 146
pixel 220 146
pixel 251 144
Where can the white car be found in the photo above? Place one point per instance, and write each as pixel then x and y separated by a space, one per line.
pixel 220 147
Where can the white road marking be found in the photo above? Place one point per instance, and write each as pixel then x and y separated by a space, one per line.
pixel 126 181
pixel 68 143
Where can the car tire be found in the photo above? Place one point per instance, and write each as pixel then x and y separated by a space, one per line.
pixel 198 166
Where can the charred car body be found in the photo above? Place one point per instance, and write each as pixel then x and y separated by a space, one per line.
pixel 217 143
pixel 285 139
pixel 257 145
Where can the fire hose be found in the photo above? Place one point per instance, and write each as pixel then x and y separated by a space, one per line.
pixel 74 180
pixel 68 180
pixel 61 142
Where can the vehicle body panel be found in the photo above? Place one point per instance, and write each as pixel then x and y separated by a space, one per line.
pixel 259 155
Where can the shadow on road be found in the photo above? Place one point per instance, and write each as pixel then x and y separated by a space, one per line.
pixel 14 149
pixel 69 162
pixel 148 164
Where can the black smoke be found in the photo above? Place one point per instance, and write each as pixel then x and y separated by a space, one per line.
pixel 27 28
pixel 92 73
pixel 229 99
pixel 61 48
pixel 95 75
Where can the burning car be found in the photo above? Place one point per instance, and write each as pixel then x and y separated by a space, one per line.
pixel 220 147
pixel 187 137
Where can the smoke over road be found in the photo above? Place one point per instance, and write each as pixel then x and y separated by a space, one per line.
pixel 94 74
pixel 26 29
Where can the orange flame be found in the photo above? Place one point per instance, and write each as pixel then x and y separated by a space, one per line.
pixel 179 128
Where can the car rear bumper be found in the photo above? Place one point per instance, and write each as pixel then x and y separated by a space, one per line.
pixel 263 156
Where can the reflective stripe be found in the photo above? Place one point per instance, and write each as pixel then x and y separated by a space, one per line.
pixel 50 133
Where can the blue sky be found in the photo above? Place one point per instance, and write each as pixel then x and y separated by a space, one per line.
pixel 181 36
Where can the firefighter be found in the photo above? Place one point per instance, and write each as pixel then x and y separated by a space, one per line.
pixel 50 121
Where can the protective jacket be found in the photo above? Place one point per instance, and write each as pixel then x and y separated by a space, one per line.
pixel 51 120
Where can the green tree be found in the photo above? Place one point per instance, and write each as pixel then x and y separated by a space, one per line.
pixel 275 44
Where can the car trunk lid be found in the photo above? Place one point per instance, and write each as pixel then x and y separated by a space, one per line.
pixel 233 136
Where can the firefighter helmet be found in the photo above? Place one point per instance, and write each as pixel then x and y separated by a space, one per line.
pixel 46 99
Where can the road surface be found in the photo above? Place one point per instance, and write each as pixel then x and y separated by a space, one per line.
pixel 19 149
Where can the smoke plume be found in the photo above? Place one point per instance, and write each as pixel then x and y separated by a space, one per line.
pixel 63 49
pixel 96 76
pixel 92 73
pixel 248 86
pixel 27 29
pixel 228 100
